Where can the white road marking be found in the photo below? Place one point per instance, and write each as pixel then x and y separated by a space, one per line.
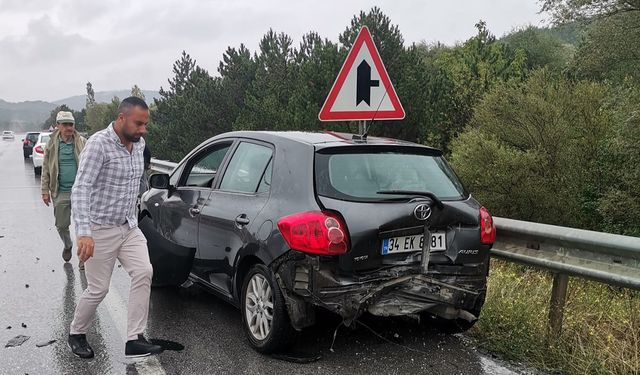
pixel 118 310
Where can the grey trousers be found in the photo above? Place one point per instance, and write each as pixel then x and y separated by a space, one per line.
pixel 62 214
pixel 129 246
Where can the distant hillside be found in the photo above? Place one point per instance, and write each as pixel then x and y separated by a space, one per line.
pixel 78 102
pixel 30 115
pixel 25 115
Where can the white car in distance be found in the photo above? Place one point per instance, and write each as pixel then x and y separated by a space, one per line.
pixel 8 134
pixel 38 152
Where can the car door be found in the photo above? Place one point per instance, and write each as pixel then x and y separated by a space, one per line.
pixel 227 221
pixel 180 210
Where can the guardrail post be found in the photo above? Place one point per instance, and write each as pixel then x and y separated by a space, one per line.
pixel 556 308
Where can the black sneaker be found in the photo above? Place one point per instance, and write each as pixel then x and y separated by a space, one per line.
pixel 66 254
pixel 79 346
pixel 141 348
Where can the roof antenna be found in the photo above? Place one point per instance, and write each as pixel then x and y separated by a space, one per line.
pixel 364 135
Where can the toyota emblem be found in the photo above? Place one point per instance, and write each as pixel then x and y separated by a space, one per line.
pixel 422 211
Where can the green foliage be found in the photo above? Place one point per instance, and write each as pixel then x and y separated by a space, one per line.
pixel 186 114
pixel 268 95
pixel 610 49
pixel 619 158
pixel 137 92
pixel 569 33
pixel 600 326
pixel 527 148
pixel 51 120
pixel 473 69
pixel 100 115
pixel 563 11
pixel 542 48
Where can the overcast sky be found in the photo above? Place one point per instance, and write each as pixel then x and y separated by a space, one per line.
pixel 50 49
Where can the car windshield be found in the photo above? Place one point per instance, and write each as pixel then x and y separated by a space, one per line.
pixel 371 176
pixel 6 132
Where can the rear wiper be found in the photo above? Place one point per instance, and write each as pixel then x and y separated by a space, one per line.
pixel 427 194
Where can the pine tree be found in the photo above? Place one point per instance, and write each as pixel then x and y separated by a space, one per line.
pixel 91 96
pixel 137 92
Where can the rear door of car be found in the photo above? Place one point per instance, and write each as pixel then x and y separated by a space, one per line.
pixel 227 218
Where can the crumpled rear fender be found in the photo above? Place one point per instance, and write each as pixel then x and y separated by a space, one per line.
pixel 308 281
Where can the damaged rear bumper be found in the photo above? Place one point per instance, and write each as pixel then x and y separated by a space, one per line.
pixel 399 290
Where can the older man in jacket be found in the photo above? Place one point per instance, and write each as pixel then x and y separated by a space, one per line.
pixel 59 168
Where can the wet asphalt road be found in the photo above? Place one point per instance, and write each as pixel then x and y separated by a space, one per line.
pixel 209 329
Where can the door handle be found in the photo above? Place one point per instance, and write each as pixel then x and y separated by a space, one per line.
pixel 242 219
pixel 194 211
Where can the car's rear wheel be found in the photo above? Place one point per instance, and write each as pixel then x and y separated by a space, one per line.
pixel 264 313
pixel 37 170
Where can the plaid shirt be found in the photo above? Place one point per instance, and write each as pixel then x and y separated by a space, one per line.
pixel 107 183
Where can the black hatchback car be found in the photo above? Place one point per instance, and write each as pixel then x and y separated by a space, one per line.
pixel 30 140
pixel 280 223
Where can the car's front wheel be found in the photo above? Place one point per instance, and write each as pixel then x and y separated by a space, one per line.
pixel 264 313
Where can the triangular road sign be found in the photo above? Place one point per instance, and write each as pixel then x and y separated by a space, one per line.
pixel 363 90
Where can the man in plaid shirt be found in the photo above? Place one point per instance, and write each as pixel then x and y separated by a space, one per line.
pixel 104 209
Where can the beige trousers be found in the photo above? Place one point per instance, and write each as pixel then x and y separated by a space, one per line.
pixel 129 246
pixel 62 214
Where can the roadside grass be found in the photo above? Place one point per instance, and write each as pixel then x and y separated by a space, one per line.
pixel 601 326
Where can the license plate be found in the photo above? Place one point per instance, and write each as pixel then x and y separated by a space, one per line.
pixel 406 244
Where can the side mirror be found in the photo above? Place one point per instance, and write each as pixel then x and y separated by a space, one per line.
pixel 159 181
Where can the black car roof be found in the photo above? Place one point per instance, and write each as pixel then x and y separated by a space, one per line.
pixel 321 139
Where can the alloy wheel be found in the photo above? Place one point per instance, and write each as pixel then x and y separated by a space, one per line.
pixel 259 306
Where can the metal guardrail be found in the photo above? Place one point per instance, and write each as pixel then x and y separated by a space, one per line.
pixel 604 257
pixel 609 258
pixel 162 166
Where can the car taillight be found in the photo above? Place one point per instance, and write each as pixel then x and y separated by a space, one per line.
pixel 315 232
pixel 25 142
pixel 39 150
pixel 487 227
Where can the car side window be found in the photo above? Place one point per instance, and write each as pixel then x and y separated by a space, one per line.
pixel 246 170
pixel 202 169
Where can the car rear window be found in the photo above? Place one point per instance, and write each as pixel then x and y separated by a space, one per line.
pixel 44 138
pixel 362 175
